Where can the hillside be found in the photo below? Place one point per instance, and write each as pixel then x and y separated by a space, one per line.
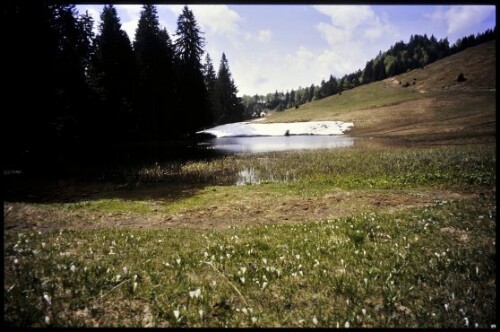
pixel 434 108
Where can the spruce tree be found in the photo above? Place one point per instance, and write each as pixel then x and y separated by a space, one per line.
pixel 228 104
pixel 113 76
pixel 72 39
pixel 210 79
pixel 195 112
pixel 155 101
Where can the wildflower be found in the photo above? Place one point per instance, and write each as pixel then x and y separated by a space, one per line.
pixel 178 260
pixel 363 311
pixel 316 263
pixel 242 280
pixel 264 284
pixel 196 293
pixel 264 260
pixel 135 287
pixel 297 256
pixel 493 326
pixel 446 306
pixel 466 321
pixel 346 325
pixel 254 320
pixel 301 321
pixel 201 313
pixel 46 297
pixel 43 244
pixel 73 268
pixel 177 314
pixel 245 311
pixel 476 325
pixel 47 320
pixel 243 269
pixel 477 269
pixel 315 320
pixel 16 261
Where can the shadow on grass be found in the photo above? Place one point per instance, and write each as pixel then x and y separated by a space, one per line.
pixel 142 176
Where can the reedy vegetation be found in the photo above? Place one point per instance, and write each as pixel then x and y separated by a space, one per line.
pixel 431 266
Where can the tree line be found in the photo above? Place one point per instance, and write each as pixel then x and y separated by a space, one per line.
pixel 401 57
pixel 69 88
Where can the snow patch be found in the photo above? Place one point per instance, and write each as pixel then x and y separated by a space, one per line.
pixel 279 129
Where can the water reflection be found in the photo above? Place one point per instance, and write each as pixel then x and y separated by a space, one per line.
pixel 260 144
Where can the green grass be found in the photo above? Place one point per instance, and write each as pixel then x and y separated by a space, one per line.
pixel 364 97
pixel 461 165
pixel 429 266
pixel 370 270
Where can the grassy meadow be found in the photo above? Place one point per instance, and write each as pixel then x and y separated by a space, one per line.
pixel 397 231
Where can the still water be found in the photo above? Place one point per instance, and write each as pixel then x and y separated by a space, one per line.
pixel 258 144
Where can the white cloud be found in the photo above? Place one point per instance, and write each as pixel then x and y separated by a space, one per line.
pixel 129 18
pixel 350 23
pixel 264 35
pixel 333 34
pixel 347 17
pixel 354 36
pixel 460 20
pixel 94 11
pixel 300 60
pixel 213 19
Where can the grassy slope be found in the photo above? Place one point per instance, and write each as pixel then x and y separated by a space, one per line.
pixel 435 108
pixel 372 236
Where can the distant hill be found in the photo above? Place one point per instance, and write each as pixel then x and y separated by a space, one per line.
pixel 423 105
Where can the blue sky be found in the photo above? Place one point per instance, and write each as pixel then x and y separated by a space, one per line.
pixel 283 47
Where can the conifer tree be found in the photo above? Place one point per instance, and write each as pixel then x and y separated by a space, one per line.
pixel 113 76
pixel 210 80
pixel 195 112
pixel 228 104
pixel 155 102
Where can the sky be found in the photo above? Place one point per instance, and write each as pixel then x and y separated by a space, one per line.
pixel 284 47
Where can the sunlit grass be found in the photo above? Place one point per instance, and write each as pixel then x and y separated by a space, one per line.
pixel 344 168
pixel 426 267
pixel 431 266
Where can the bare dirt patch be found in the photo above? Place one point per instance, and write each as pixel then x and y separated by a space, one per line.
pixel 259 209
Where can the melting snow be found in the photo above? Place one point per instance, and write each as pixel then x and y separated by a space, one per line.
pixel 279 129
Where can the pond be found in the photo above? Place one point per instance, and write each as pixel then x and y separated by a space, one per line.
pixel 259 144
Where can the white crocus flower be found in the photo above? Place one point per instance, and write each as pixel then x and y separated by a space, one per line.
pixel 195 294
